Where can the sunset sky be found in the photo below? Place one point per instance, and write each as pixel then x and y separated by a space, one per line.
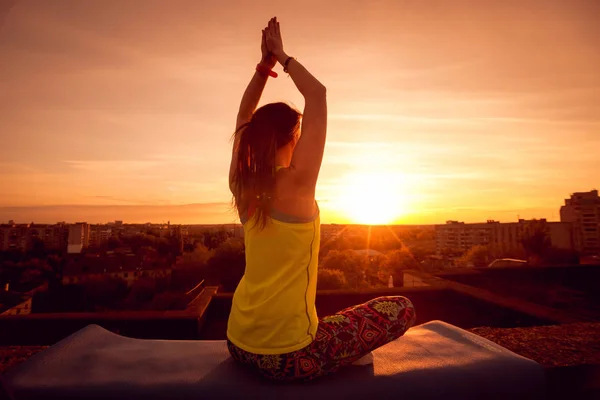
pixel 438 110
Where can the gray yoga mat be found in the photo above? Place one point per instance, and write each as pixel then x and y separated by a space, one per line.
pixel 433 360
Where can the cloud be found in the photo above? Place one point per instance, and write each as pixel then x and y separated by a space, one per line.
pixel 352 145
pixel 399 118
pixel 102 166
pixel 17 168
pixel 219 212
pixel 130 201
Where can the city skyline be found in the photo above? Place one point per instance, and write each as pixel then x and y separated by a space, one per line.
pixel 466 112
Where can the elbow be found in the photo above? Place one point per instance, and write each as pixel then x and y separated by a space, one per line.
pixel 318 92
pixel 322 90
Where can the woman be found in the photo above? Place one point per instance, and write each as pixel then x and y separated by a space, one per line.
pixel 273 326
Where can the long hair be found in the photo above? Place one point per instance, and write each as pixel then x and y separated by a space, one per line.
pixel 271 127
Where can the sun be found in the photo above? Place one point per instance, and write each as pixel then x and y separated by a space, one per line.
pixel 372 198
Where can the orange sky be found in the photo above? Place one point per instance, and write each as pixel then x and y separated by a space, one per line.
pixel 462 110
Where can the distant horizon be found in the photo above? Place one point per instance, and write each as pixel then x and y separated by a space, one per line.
pixel 223 214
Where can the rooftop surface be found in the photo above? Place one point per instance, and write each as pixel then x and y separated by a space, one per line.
pixel 565 343
pixel 551 346
pixel 569 290
pixel 10 299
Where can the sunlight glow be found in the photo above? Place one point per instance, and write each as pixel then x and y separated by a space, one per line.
pixel 373 198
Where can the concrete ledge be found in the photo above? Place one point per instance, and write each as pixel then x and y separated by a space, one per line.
pixel 94 363
pixel 47 329
pixel 516 304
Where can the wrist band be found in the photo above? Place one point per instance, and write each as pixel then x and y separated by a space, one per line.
pixel 286 63
pixel 266 71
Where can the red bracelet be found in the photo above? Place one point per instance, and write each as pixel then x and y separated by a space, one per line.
pixel 266 71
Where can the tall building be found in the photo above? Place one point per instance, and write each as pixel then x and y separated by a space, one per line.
pixel 79 237
pixel 99 234
pixel 458 237
pixel 14 236
pixel 23 236
pixel 583 211
pixel 54 237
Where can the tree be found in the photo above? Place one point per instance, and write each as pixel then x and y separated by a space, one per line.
pixel 200 254
pixel 164 247
pixel 425 234
pixel 142 291
pixel 57 265
pixel 476 256
pixel 9 272
pixel 14 255
pixel 67 298
pixel 402 259
pixel 331 279
pixel 189 247
pixel 497 251
pixel 352 265
pixel 228 264
pixel 137 242
pixel 30 275
pixel 536 243
pixel 192 268
pixel 113 243
pixel 557 256
pixel 105 293
pixel 398 262
pixel 376 269
pixel 38 248
pixel 420 252
pixel 213 240
pixel 451 253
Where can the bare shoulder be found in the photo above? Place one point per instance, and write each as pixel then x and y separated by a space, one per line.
pixel 291 181
pixel 293 196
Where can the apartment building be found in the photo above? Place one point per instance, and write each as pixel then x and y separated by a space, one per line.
pixel 79 237
pixel 23 236
pixel 99 234
pixel 458 236
pixel 582 210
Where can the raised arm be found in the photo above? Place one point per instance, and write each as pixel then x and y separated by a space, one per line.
pixel 251 97
pixel 256 86
pixel 308 154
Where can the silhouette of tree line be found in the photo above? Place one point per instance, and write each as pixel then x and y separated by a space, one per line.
pixel 111 294
pixel 23 270
pixel 219 259
pixel 341 266
pixel 338 269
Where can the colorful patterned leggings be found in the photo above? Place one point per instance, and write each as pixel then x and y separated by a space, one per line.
pixel 341 339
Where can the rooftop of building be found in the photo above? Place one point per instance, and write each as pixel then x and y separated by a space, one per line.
pixel 593 192
pixel 551 346
pixel 28 225
pixel 491 222
pixel 565 342
pixel 9 299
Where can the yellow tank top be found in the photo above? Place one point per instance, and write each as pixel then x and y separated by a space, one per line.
pixel 273 309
